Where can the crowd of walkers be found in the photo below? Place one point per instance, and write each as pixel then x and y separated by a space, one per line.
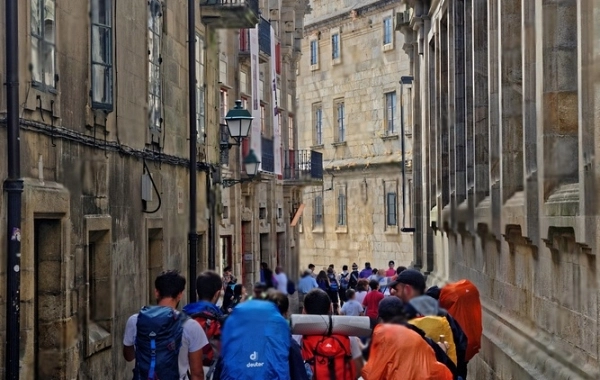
pixel 228 334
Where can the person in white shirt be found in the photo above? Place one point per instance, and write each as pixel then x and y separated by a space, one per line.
pixel 282 280
pixel 352 307
pixel 362 288
pixel 169 287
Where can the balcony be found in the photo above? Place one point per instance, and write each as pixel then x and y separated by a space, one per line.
pixel 229 14
pixel 303 168
pixel 267 158
pixel 264 40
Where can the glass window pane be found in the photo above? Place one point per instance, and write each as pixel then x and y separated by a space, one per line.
pixel 36 17
pixel 101 12
pixel 36 64
pixel 49 64
pixel 101 50
pixel 49 18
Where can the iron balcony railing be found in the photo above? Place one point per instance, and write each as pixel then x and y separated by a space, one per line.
pixel 303 165
pixel 252 4
pixel 264 36
pixel 267 157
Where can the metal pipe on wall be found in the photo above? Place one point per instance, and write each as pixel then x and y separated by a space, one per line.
pixel 193 230
pixel 13 186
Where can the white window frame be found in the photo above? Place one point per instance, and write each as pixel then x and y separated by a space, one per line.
pixel 388 32
pixel 318 122
pixel 155 87
pixel 200 90
pixel 101 55
pixel 336 46
pixel 340 112
pixel 314 53
pixel 391 209
pixel 43 44
pixel 391 113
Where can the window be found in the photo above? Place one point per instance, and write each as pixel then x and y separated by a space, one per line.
pixel 154 61
pixel 335 46
pixel 263 120
pixel 341 127
pixel 391 209
pixel 388 31
pixel 341 203
pixel 200 91
pixel 261 86
pixel 101 55
pixel 243 82
pixel 314 52
pixel 223 101
pixel 318 113
pixel 390 113
pixel 43 48
pixel 291 132
pixel 318 211
pixel 223 70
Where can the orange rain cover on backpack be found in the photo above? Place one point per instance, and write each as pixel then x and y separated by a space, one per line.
pixel 461 299
pixel 397 352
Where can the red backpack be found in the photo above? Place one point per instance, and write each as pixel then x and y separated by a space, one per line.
pixel 329 357
pixel 212 328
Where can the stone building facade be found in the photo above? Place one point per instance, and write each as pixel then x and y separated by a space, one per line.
pixel 104 159
pixel 350 100
pixel 255 217
pixel 506 174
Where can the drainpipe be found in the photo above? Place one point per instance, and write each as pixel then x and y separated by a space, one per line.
pixel 404 80
pixel 13 186
pixel 193 230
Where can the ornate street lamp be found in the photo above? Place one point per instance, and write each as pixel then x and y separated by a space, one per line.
pixel 238 121
pixel 251 163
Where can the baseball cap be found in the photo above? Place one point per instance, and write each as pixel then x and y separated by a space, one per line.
pixel 390 307
pixel 410 277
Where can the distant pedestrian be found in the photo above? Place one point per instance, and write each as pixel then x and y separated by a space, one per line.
pixel 354 275
pixel 352 307
pixel 365 273
pixel 333 290
pixel 344 281
pixel 266 276
pixel 311 268
pixel 282 280
pixel 323 281
pixel 371 302
pixel 362 289
pixel 390 272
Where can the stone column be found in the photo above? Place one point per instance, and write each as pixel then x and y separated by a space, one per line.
pixel 511 98
pixel 494 113
pixel 480 98
pixel 458 62
pixel 559 111
pixel 530 136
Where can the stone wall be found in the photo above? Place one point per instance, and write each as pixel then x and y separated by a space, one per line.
pixel 514 209
pixel 90 246
pixel 369 158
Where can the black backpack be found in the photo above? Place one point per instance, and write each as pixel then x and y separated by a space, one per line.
pixel 353 279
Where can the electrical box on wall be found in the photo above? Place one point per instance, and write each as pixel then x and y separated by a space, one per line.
pixel 146 188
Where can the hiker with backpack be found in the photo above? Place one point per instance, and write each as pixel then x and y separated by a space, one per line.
pixel 329 356
pixel 354 275
pixel 401 351
pixel 256 342
pixel 208 316
pixel 334 289
pixel 344 281
pixel 165 343
pixel 411 284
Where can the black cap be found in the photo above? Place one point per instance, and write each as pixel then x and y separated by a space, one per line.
pixel 390 307
pixel 410 277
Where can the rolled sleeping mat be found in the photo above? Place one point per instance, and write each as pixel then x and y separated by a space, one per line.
pixel 303 324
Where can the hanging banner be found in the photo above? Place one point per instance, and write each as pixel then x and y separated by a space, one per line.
pixel 255 132
pixel 275 123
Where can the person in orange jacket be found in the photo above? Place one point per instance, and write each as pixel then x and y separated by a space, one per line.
pixel 398 352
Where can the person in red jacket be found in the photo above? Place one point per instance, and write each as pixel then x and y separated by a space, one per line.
pixel 371 302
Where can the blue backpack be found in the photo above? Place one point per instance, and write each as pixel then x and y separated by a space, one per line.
pixel 157 343
pixel 255 343
pixel 333 284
